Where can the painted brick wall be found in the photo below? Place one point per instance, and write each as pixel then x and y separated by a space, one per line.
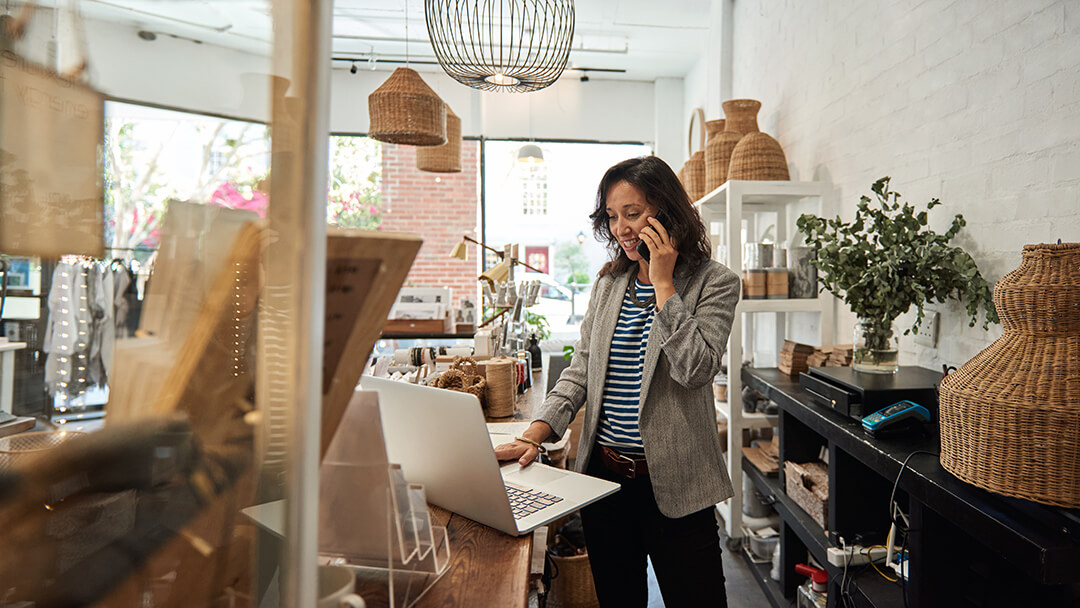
pixel 977 103
pixel 440 207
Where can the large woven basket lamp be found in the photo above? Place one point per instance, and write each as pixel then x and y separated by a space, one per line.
pixel 447 157
pixel 404 110
pixel 1010 417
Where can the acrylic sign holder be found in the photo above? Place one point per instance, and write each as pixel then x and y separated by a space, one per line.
pixel 371 519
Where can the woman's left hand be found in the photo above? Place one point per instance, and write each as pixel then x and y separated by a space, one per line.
pixel 662 253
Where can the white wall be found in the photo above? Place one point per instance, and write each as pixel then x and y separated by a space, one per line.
pixel 977 103
pixel 207 78
pixel 177 73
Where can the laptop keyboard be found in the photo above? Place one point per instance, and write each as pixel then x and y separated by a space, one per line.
pixel 526 501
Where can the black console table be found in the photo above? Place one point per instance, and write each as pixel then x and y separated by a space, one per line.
pixel 967 546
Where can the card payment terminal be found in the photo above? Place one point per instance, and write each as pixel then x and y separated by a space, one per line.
pixel 897 416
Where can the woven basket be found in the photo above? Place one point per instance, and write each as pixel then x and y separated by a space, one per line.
pixel 404 110
pixel 714 129
pixel 1010 417
pixel 758 156
pixel 447 157
pixel 573 587
pixel 694 168
pixel 695 175
pixel 463 377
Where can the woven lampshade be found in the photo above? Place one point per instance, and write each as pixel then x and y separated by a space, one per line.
pixel 1010 417
pixel 404 110
pixel 447 157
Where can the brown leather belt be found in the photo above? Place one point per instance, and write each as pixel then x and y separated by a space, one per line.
pixel 623 465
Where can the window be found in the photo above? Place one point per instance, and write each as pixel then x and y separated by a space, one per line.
pixel 534 189
pixel 544 208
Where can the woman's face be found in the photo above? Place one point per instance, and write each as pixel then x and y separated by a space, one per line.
pixel 627 211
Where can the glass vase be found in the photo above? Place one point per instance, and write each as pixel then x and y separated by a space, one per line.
pixel 876 347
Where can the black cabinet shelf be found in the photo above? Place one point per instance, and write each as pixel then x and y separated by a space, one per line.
pixel 1033 546
pixel 1043 542
pixel 764 580
pixel 808 531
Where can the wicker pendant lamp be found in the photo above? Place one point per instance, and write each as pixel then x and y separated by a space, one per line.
pixel 404 110
pixel 447 157
pixel 1010 417
pixel 501 45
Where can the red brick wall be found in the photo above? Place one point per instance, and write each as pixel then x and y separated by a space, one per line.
pixel 440 207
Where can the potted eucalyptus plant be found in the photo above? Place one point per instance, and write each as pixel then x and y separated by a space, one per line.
pixel 885 261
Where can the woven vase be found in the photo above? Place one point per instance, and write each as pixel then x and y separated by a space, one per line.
pixel 756 156
pixel 404 110
pixel 447 157
pixel 695 175
pixel 713 171
pixel 1010 417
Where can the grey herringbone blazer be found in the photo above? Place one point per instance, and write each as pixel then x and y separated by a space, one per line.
pixel 677 419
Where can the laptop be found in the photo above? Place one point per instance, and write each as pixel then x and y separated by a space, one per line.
pixel 440 439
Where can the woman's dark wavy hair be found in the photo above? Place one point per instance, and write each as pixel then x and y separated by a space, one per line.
pixel 662 189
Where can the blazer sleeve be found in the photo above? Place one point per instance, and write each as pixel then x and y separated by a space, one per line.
pixel 694 340
pixel 569 393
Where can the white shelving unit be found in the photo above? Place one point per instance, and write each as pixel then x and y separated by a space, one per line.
pixel 737 205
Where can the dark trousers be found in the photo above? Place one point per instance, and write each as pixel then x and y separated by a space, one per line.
pixel 624 528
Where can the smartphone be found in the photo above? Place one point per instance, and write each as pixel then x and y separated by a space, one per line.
pixel 642 248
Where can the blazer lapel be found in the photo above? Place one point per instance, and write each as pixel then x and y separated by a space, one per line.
pixel 600 344
pixel 652 347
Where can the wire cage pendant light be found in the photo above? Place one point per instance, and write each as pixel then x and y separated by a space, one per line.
pixel 501 45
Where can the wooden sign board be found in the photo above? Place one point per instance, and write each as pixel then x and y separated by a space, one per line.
pixel 364 272
pixel 51 185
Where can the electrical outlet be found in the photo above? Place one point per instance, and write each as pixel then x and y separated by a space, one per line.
pixel 928 330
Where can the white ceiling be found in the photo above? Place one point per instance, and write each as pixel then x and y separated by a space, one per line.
pixel 636 39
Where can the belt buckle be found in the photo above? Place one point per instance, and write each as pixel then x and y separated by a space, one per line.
pixel 627 460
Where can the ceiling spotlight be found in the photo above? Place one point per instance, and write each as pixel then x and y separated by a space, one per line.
pixel 584 77
pixel 147 35
pixel 352 70
pixel 371 62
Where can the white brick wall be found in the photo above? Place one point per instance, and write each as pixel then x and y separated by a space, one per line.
pixel 974 102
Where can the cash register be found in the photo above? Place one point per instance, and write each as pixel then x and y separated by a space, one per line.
pixel 858 394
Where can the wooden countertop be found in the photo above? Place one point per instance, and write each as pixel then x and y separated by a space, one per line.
pixel 487 567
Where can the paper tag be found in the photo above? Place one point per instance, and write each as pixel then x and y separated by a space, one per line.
pixel 51 184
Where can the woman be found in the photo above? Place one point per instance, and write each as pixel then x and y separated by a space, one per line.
pixel 650 345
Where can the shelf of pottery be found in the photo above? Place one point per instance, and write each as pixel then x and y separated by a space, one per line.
pixel 750 225
pixel 740 181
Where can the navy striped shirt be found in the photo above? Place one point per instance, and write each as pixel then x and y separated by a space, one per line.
pixel 622 386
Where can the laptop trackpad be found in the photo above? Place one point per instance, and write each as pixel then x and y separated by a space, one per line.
pixel 531 475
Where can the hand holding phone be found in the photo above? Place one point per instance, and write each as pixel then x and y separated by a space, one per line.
pixel 642 248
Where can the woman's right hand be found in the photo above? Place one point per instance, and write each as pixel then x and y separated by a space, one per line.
pixel 523 451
